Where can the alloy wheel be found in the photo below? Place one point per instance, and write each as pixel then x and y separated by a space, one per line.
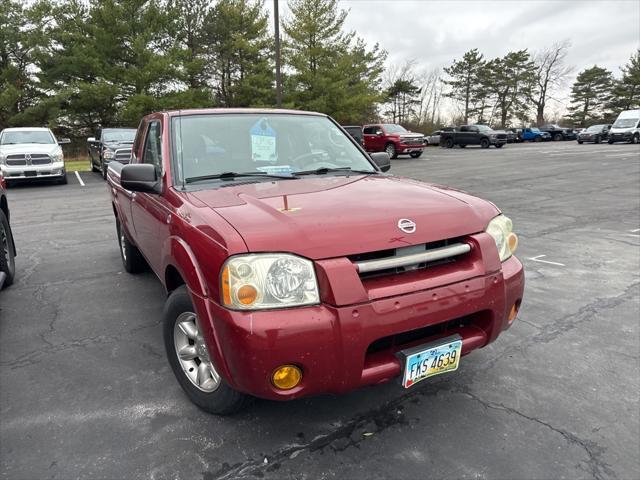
pixel 193 354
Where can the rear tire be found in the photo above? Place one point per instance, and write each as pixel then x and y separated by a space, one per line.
pixel 449 143
pixel 214 395
pixel 390 148
pixel 580 142
pixel 415 154
pixel 499 145
pixel 91 164
pixel 610 142
pixel 132 259
pixel 557 137
pixel 484 143
pixel 7 251
pixel 635 139
pixel 598 139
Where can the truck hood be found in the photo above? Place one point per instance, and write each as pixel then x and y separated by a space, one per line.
pixel 49 148
pixel 332 216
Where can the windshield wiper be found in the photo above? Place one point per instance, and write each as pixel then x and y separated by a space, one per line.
pixel 232 175
pixel 325 170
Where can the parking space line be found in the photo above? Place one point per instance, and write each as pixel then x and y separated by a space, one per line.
pixel 537 259
pixel 636 230
pixel 79 179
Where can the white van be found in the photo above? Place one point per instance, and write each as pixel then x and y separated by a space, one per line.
pixel 626 128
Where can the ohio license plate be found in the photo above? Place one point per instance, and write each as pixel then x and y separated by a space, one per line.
pixel 431 359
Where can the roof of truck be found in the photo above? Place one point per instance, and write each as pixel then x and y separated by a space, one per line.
pixel 221 111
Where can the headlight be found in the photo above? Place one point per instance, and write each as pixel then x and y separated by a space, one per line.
pixel 107 154
pixel 3 159
pixel 500 228
pixel 57 157
pixel 268 280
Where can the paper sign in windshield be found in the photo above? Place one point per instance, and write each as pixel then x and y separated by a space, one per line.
pixel 263 142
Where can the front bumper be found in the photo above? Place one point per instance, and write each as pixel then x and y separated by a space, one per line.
pixel 620 137
pixel 341 348
pixel 410 148
pixel 497 141
pixel 33 172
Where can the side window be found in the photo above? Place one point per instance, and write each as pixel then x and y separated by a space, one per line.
pixel 369 131
pixel 137 144
pixel 153 146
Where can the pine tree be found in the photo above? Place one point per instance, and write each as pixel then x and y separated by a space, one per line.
pixel 239 53
pixel 512 80
pixel 331 71
pixel 626 91
pixel 590 94
pixel 463 80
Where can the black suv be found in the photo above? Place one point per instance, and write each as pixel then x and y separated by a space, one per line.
pixel 559 133
pixel 356 132
pixel 595 134
pixel 110 144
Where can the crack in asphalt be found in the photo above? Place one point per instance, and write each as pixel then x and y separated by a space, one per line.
pixel 350 434
pixel 567 323
pixel 598 468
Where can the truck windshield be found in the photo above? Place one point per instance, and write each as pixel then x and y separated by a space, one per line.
pixel 271 144
pixel 625 123
pixel 393 128
pixel 14 137
pixel 484 128
pixel 119 135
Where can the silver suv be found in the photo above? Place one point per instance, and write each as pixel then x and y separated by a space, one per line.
pixel 30 154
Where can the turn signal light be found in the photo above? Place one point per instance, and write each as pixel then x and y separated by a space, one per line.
pixel 512 240
pixel 286 377
pixel 247 294
pixel 226 291
pixel 513 312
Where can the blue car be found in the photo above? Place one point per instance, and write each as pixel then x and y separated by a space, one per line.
pixel 534 135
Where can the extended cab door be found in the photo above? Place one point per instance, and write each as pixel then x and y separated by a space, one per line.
pixel 150 211
pixel 373 139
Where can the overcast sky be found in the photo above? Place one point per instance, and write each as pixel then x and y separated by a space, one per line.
pixel 433 33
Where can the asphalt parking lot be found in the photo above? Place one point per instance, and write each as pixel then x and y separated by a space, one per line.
pixel 86 391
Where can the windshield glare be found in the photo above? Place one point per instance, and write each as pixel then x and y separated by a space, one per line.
pixel 279 144
pixel 594 128
pixel 625 123
pixel 393 128
pixel 484 128
pixel 119 135
pixel 27 136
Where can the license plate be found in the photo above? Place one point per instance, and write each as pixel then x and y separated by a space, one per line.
pixel 30 173
pixel 425 361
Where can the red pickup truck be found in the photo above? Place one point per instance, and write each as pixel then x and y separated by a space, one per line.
pixel 393 139
pixel 295 266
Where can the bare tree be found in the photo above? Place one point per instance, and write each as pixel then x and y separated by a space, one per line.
pixel 551 73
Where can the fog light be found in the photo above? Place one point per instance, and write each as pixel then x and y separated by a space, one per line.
pixel 286 377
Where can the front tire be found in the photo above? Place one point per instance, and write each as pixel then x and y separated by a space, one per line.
pixel 415 154
pixel 580 142
pixel 598 139
pixel 635 139
pixel 610 142
pixel 499 145
pixel 7 251
pixel 390 148
pixel 484 143
pixel 190 360
pixel 557 137
pixel 132 259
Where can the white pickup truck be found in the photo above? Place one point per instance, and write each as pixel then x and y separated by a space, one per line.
pixel 31 154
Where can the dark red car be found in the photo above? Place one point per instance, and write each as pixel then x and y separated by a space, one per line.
pixel 393 139
pixel 295 266
pixel 7 245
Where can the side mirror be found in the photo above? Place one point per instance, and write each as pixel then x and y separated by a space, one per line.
pixel 379 133
pixel 91 140
pixel 382 160
pixel 139 177
pixel 62 141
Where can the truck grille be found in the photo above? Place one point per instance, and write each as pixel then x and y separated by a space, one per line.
pixel 123 155
pixel 413 141
pixel 408 259
pixel 22 159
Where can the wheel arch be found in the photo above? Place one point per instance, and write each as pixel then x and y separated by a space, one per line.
pixel 180 267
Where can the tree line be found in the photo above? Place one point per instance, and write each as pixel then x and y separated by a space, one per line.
pixel 76 65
